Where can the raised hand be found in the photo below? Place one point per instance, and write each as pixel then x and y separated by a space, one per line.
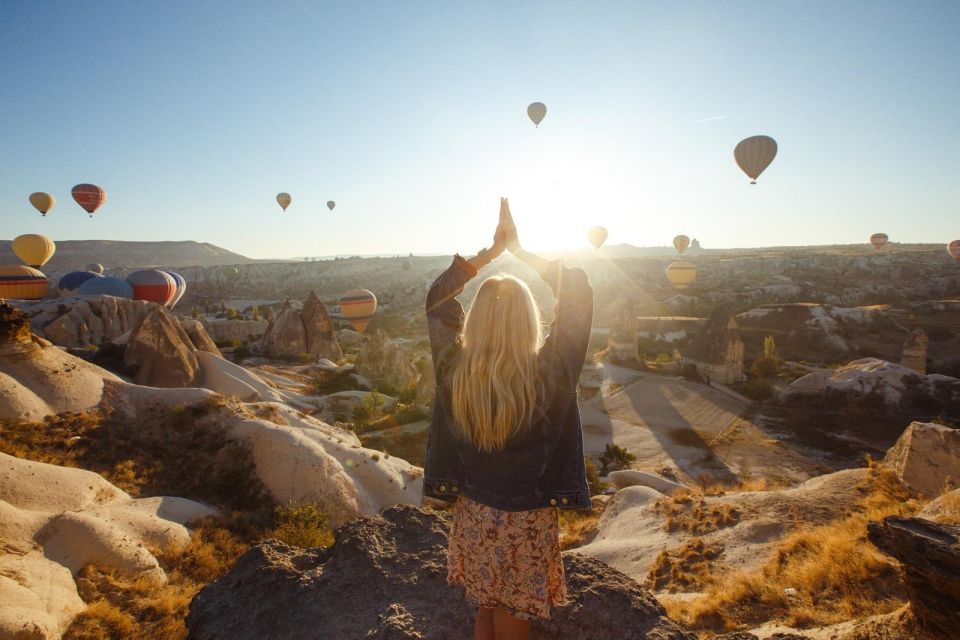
pixel 508 226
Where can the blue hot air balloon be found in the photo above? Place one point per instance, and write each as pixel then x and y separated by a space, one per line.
pixel 70 282
pixel 107 285
pixel 181 288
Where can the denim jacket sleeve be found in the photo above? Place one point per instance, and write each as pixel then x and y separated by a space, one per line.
pixel 444 311
pixel 565 348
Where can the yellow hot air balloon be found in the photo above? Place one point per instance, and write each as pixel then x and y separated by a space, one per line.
pixel 879 241
pixel 680 243
pixel 755 154
pixel 284 200
pixel 597 236
pixel 22 283
pixel 681 274
pixel 357 306
pixel 43 202
pixel 537 111
pixel 34 249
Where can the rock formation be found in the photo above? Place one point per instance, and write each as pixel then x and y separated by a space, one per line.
pixel 285 336
pixel 929 554
pixel 240 330
pixel 426 383
pixel 198 335
pixel 320 336
pixel 926 457
pixel 383 361
pixel 160 353
pixel 915 351
pixel 385 577
pixel 717 350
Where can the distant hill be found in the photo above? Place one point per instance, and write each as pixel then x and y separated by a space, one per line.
pixel 75 254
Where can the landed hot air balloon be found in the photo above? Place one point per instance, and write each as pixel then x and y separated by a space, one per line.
pixel 89 196
pixel 34 249
pixel 153 285
pixel 681 273
pixel 181 287
pixel 72 281
pixel 22 283
pixel 954 250
pixel 357 306
pixel 754 154
pixel 43 202
pixel 879 241
pixel 96 267
pixel 106 286
pixel 537 111
pixel 597 236
pixel 284 200
pixel 680 243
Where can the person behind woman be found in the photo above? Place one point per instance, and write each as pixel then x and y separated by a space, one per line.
pixel 505 441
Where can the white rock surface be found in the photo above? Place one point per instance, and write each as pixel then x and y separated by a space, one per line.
pixel 632 477
pixel 926 457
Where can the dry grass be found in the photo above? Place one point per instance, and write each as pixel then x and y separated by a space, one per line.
pixel 689 567
pixel 837 573
pixel 578 527
pixel 689 511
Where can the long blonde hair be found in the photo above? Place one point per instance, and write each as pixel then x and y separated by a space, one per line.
pixel 494 382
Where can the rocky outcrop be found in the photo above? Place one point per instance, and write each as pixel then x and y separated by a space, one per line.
pixel 320 336
pixel 385 577
pixel 633 477
pixel 426 383
pixel 226 330
pixel 926 457
pixel 930 557
pixel 383 361
pixel 198 336
pixel 159 352
pixel 285 336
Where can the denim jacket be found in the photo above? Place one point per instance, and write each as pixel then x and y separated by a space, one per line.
pixel 542 465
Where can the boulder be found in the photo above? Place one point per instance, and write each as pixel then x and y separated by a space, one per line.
pixel 285 336
pixel 632 477
pixel 929 554
pixel 319 334
pixel 159 352
pixel 926 457
pixel 383 361
pixel 198 336
pixel 385 577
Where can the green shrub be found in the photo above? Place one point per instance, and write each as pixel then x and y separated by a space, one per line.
pixel 596 485
pixel 615 457
pixel 758 389
pixel 301 525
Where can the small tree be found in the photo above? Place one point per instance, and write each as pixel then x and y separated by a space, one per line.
pixel 615 457
pixel 770 348
pixel 769 365
pixel 255 312
pixel 268 314
pixel 195 313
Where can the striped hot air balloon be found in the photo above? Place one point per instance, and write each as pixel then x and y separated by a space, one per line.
pixel 680 243
pixel 181 287
pixel 72 281
pixel 106 286
pixel 35 250
pixel 754 154
pixel 284 200
pixel 22 283
pixel 96 267
pixel 357 306
pixel 89 196
pixel 681 273
pixel 153 285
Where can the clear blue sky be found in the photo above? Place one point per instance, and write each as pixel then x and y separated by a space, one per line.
pixel 411 115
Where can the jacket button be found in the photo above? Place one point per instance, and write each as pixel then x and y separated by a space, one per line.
pixel 564 500
pixel 443 488
pixel 455 489
pixel 553 502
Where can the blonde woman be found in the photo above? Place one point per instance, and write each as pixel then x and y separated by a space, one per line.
pixel 505 441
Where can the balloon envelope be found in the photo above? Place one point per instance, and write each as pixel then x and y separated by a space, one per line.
pixel 536 111
pixel 89 196
pixel 96 267
pixel 954 250
pixel 680 243
pixel 22 283
pixel 284 200
pixel 153 285
pixel 106 286
pixel 681 273
pixel 597 236
pixel 879 240
pixel 754 154
pixel 43 202
pixel 34 249
pixel 331 204
pixel 357 306
pixel 181 283
pixel 70 282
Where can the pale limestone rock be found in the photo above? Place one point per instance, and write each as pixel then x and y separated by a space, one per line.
pixel 160 353
pixel 926 457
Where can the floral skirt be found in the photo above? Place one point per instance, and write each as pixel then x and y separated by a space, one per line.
pixel 507 559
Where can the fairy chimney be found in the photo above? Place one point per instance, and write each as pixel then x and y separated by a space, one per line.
pixel 915 351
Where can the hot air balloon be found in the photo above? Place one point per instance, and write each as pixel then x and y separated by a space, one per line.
pixel 22 283
pixel 331 204
pixel 43 202
pixel 954 250
pixel 96 267
pixel 680 243
pixel 181 287
pixel 357 306
pixel 106 286
pixel 284 200
pixel 879 241
pixel 537 111
pixel 755 154
pixel 72 281
pixel 597 236
pixel 34 249
pixel 89 196
pixel 681 273
pixel 153 285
